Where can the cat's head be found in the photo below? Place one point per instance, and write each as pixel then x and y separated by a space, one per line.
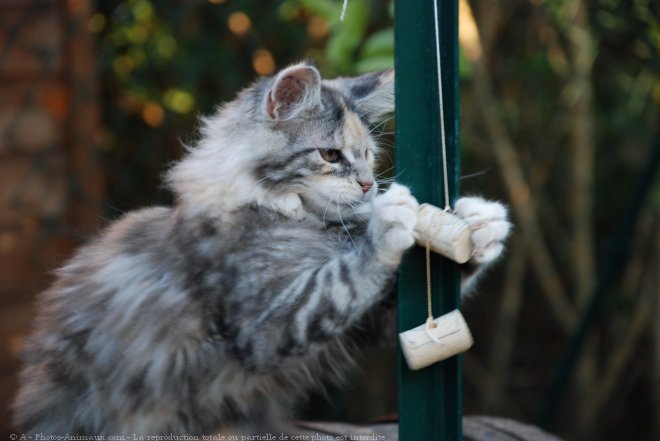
pixel 293 141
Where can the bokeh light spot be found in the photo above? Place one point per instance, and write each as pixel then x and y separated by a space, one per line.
pixel 153 114
pixel 180 101
pixel 263 62
pixel 239 23
pixel 317 27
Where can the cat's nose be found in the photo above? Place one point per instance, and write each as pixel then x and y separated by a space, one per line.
pixel 366 185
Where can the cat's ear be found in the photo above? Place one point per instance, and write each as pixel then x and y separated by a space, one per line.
pixel 373 93
pixel 295 89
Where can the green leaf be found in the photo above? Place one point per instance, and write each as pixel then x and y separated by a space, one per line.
pixel 375 63
pixel 381 43
pixel 347 37
pixel 328 9
pixel 464 66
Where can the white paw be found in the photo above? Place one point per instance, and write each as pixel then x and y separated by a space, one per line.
pixel 490 226
pixel 393 221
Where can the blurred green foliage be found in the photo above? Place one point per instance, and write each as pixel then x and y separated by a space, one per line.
pixel 353 46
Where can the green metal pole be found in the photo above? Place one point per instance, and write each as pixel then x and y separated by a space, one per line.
pixel 429 399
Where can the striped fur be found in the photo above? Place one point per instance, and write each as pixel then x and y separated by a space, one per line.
pixel 219 312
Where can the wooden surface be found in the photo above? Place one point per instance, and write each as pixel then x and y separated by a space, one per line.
pixel 475 428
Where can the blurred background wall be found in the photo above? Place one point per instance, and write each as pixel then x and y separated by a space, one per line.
pixel 560 111
pixel 51 182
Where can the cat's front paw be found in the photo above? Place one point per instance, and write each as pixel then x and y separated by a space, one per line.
pixel 490 227
pixel 393 222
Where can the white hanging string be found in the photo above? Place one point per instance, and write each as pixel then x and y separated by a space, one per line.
pixel 429 320
pixel 429 300
pixel 343 10
pixel 442 107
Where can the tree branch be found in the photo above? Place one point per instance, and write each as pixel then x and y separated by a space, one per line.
pixel 579 98
pixel 504 338
pixel 519 190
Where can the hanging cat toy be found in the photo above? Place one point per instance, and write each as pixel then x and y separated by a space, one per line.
pixel 441 231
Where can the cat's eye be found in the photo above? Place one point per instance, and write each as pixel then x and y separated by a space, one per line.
pixel 330 155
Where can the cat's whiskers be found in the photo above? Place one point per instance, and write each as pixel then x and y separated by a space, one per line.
pixel 385 181
pixel 391 180
pixel 379 130
pixel 386 143
pixel 386 153
pixel 385 171
pixel 346 228
pixel 354 206
pixel 323 219
pixel 380 126
pixel 262 180
pixel 388 179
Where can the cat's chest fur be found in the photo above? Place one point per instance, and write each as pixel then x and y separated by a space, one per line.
pixel 252 236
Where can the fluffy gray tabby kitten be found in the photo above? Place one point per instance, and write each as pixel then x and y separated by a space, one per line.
pixel 245 294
